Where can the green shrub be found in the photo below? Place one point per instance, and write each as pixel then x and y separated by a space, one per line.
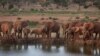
pixel 32 23
pixel 14 10
pixel 34 10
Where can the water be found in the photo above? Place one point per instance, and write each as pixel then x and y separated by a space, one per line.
pixel 49 50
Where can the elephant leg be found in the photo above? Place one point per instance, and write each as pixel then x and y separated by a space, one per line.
pixel 72 37
pixel 90 35
pixel 18 36
pixel 35 35
pixel 3 35
pixel 38 35
pixel 25 35
pixel 21 34
pixel 65 34
pixel 57 34
pixel 0 33
pixel 99 36
pixel 49 35
pixel 85 35
pixel 42 35
pixel 95 36
pixel 15 33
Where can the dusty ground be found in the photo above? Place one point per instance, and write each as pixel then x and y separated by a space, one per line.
pixel 38 17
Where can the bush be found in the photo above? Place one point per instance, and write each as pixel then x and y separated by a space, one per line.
pixel 34 10
pixel 32 23
pixel 11 7
pixel 14 10
pixel 86 19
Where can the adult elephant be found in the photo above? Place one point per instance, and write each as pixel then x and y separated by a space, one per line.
pixel 96 29
pixel 74 28
pixel 26 32
pixel 88 30
pixel 52 26
pixel 18 27
pixel 83 28
pixel 65 27
pixel 6 28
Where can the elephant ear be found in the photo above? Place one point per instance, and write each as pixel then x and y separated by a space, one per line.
pixel 77 29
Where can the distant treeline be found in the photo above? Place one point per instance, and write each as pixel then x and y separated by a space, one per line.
pixel 45 3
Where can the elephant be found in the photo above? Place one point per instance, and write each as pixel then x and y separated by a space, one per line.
pixel 18 27
pixel 75 27
pixel 96 29
pixel 52 27
pixel 26 32
pixel 39 31
pixel 65 28
pixel 6 28
pixel 88 30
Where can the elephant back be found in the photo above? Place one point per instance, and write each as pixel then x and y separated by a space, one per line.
pixel 24 24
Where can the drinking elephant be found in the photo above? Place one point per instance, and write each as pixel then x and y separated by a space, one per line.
pixel 96 29
pixel 26 32
pixel 6 28
pixel 18 27
pixel 52 27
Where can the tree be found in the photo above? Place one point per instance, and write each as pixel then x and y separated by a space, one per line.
pixel 80 3
pixel 3 3
pixel 61 2
pixel 97 3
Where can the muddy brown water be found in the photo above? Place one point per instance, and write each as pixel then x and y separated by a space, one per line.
pixel 69 49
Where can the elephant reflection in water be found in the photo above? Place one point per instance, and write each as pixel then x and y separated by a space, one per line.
pixel 92 50
pixel 46 48
pixel 88 49
pixel 14 47
pixel 82 49
pixel 49 48
pixel 72 47
pixel 20 47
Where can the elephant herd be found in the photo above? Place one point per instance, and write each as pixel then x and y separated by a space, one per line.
pixel 71 30
pixel 6 28
pixel 20 28
pixel 88 30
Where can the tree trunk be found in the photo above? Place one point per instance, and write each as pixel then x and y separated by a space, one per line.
pixel 79 8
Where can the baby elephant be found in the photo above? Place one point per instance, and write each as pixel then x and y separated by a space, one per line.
pixel 37 32
pixel 26 32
